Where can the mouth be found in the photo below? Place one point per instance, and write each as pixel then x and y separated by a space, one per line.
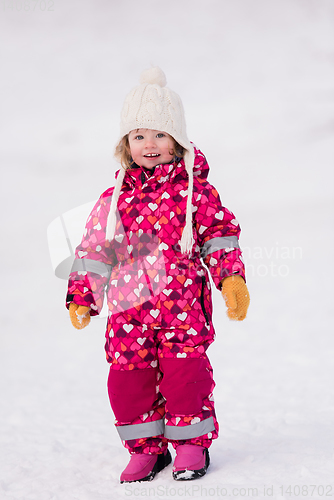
pixel 151 155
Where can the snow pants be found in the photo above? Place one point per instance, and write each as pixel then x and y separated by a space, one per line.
pixel 160 385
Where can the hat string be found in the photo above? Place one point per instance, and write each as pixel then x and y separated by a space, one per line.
pixel 111 222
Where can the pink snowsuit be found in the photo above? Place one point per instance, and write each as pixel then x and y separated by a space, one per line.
pixel 160 309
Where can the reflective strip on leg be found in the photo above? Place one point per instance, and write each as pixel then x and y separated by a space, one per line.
pixel 190 431
pixel 137 431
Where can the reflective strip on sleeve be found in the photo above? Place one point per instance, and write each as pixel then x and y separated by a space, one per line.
pixel 218 243
pixel 92 266
pixel 190 431
pixel 138 431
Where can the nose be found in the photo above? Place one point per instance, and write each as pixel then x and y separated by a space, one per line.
pixel 150 143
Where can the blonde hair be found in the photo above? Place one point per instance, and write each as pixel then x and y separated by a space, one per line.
pixel 123 153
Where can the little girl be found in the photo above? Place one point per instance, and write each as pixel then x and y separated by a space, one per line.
pixel 146 243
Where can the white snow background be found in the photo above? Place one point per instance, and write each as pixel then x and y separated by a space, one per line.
pixel 256 79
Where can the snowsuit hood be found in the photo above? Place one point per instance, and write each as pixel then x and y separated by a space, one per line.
pixel 200 169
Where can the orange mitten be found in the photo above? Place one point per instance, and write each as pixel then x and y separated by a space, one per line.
pixel 236 296
pixel 79 315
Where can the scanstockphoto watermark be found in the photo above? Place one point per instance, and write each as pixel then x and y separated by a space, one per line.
pixel 274 261
pixel 229 491
pixel 28 5
pixel 196 491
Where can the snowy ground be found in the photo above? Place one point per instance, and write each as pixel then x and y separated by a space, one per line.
pixel 256 78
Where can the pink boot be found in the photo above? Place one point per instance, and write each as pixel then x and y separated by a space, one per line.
pixel 143 467
pixel 191 462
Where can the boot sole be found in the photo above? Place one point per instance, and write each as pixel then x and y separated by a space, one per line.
pixel 189 475
pixel 160 464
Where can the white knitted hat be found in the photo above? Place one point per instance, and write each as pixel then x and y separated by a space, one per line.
pixel 153 106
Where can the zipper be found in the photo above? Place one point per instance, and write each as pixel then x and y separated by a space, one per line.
pixel 202 301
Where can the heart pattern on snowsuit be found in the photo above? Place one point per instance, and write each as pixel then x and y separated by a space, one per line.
pixel 159 300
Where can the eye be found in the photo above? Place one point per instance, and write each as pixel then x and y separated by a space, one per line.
pixel 160 135
pixel 139 137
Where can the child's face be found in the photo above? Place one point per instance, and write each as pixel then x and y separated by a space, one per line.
pixel 150 147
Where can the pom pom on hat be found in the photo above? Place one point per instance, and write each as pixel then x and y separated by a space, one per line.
pixel 153 76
